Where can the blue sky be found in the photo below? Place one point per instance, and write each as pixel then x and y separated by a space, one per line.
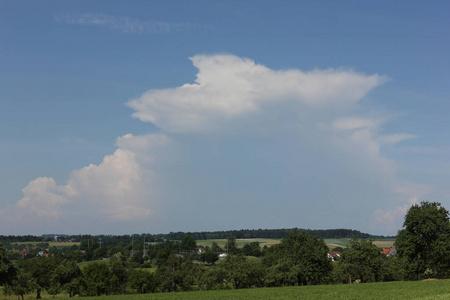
pixel 156 116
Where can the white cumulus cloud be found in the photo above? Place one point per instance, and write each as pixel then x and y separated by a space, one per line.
pixel 119 189
pixel 228 87
pixel 292 147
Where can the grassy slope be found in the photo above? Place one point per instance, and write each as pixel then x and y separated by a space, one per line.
pixel 438 289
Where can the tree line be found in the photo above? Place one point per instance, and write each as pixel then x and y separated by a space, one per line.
pixel 204 235
pixel 299 259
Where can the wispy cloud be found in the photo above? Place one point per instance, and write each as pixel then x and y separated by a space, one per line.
pixel 123 24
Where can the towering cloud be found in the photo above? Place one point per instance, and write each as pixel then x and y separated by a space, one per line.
pixel 294 148
pixel 229 87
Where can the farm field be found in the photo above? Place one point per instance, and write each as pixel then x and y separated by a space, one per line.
pixel 427 290
pixel 239 242
pixel 51 244
pixel 385 243
pixel 331 243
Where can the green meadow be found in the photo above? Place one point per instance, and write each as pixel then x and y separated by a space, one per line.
pixel 436 289
pixel 332 243
pixel 426 290
pixel 239 242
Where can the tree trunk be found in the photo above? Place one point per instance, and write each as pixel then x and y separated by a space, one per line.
pixel 38 295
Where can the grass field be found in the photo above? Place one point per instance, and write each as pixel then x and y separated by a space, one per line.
pixel 331 243
pixel 426 290
pixel 51 244
pixel 85 263
pixel 239 242
pixel 385 243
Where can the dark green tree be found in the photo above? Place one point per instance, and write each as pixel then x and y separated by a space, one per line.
pixel 169 273
pixel 236 270
pixel 362 261
pixel 120 272
pixel 216 248
pixel 7 269
pixel 142 281
pixel 252 249
pixel 209 256
pixel 191 274
pixel 425 239
pixel 42 269
pixel 299 259
pixel 188 244
pixel 22 284
pixel 97 279
pixel 67 277
pixel 231 246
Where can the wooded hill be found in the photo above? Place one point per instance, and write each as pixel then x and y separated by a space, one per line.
pixel 203 235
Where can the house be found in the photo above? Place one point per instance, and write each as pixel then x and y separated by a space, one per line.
pixel 23 252
pixel 389 251
pixel 334 255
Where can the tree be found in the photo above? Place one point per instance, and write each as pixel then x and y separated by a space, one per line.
pixel 209 256
pixel 7 270
pixel 188 243
pixel 425 238
pixel 142 281
pixel 22 284
pixel 120 272
pixel 236 270
pixel 252 249
pixel 67 276
pixel 230 245
pixel 169 273
pixel 97 279
pixel 41 268
pixel 362 260
pixel 216 248
pixel 191 274
pixel 299 259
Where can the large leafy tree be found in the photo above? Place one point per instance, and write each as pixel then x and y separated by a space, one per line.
pixel 41 269
pixel 236 270
pixel 231 246
pixel 425 238
pixel 7 270
pixel 299 259
pixel 188 243
pixel 97 278
pixel 142 281
pixel 362 261
pixel 67 276
pixel 120 272
pixel 23 283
